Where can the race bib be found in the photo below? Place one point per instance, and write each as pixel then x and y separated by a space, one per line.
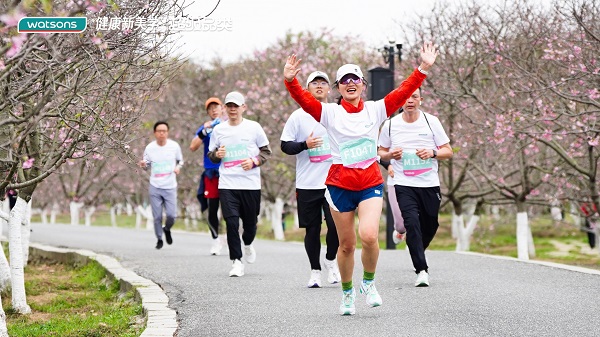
pixel 412 165
pixel 359 153
pixel 235 155
pixel 162 169
pixel 321 153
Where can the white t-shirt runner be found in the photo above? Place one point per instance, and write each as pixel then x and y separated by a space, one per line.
pixel 353 135
pixel 411 170
pixel 312 165
pixel 162 161
pixel 241 142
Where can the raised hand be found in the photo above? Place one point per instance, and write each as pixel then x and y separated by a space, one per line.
pixel 291 68
pixel 429 53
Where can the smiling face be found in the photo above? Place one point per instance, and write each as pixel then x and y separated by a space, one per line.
pixel 413 103
pixel 319 88
pixel 351 87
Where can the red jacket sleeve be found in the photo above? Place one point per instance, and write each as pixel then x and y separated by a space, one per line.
pixel 305 99
pixel 396 99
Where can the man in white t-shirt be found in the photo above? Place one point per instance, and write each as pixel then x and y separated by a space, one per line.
pixel 163 157
pixel 304 137
pixel 414 141
pixel 240 146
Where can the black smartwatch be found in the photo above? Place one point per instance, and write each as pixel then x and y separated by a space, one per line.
pixel 434 154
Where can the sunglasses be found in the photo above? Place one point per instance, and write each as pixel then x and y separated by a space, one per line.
pixel 346 80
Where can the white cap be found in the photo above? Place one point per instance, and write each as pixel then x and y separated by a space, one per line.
pixel 235 97
pixel 348 69
pixel 316 74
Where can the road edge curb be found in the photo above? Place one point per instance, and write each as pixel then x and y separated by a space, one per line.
pixel 161 321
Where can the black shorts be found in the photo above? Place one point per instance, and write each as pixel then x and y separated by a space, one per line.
pixel 310 207
pixel 239 203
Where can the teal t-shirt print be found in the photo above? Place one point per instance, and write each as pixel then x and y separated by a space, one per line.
pixel 162 169
pixel 235 155
pixel 412 165
pixel 359 153
pixel 321 153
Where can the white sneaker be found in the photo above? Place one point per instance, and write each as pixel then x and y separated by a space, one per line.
pixel 333 275
pixel 216 247
pixel 398 237
pixel 250 254
pixel 422 279
pixel 315 279
pixel 373 298
pixel 237 269
pixel 347 307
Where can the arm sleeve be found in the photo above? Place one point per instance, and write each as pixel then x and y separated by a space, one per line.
pixel 305 99
pixel 265 153
pixel 293 148
pixel 213 145
pixel 396 99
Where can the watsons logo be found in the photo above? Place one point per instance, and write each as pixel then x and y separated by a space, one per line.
pixel 52 25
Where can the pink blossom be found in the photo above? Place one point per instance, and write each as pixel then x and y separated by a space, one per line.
pixel 96 40
pixel 12 19
pixel 94 8
pixel 2 66
pixel 110 55
pixel 17 43
pixel 28 163
pixel 593 142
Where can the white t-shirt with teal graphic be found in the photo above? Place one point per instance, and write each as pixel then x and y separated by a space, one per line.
pixel 162 161
pixel 312 165
pixel 411 170
pixel 241 142
pixel 353 136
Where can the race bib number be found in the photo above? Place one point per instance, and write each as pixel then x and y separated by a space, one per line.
pixel 235 155
pixel 412 165
pixel 359 153
pixel 321 153
pixel 162 169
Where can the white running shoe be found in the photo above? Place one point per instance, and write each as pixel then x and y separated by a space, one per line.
pixel 422 279
pixel 250 254
pixel 398 237
pixel 237 269
pixel 315 279
pixel 347 307
pixel 373 298
pixel 216 247
pixel 333 275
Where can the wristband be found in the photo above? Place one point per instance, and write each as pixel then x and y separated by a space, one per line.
pixel 424 72
pixel 255 162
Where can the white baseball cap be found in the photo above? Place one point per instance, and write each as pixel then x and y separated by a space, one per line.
pixel 348 69
pixel 316 74
pixel 235 97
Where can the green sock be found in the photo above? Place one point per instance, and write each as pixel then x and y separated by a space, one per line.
pixel 368 276
pixel 346 286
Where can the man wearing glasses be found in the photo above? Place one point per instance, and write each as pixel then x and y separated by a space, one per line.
pixel 304 137
pixel 163 157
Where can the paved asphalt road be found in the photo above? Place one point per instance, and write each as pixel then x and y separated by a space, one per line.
pixel 469 295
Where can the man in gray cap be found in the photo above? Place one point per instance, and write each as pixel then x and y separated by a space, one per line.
pixel 304 137
pixel 241 147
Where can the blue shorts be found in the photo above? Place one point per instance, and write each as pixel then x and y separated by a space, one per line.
pixel 343 200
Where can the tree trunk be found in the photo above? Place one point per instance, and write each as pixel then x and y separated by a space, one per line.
pixel 129 209
pixel 113 216
pixel 44 215
pixel 74 208
pixel 4 207
pixel 523 234
pixel 496 212
pixel 89 211
pixel 149 218
pixel 138 217
pixel 26 233
pixel 53 212
pixel 276 212
pixel 3 330
pixel 19 301
pixel 296 218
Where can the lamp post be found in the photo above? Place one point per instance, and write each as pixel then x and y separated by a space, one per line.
pixel 389 52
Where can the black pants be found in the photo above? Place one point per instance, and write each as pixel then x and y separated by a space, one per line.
pixel 236 205
pixel 213 217
pixel 311 207
pixel 419 207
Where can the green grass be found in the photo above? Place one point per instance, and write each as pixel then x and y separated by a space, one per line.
pixel 73 302
pixel 496 237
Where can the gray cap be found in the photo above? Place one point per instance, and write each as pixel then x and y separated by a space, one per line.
pixel 235 97
pixel 316 74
